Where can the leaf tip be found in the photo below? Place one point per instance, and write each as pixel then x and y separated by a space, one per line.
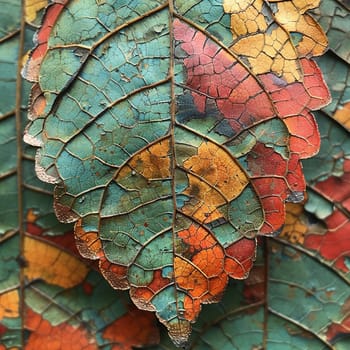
pixel 179 332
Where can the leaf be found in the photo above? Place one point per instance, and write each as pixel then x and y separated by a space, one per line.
pixel 49 296
pixel 337 70
pixel 292 309
pixel 334 17
pixel 174 137
pixel 323 227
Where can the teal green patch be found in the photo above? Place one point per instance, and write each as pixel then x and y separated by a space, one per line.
pixel 241 331
pixel 181 180
pixel 136 57
pixel 97 19
pixel 334 19
pixel 209 15
pixel 59 67
pixel 116 134
pixel 210 123
pixel 8 72
pixel 8 205
pixel 335 148
pixel 124 236
pixel 273 133
pixel 120 247
pixel 290 335
pixel 244 218
pixel 36 128
pixel 296 38
pixel 299 289
pixel 163 245
pixel 13 335
pixel 187 141
pixel 8 156
pixel 336 73
pixel 138 276
pixel 121 201
pixel 53 148
pixel 168 303
pixel 141 224
pixel 245 213
pixel 167 272
pixel 82 175
pixel 318 205
pixel 89 202
pixel 10 16
pixel 81 147
pixel 9 272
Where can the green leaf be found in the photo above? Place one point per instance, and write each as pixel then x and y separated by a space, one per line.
pixel 173 142
pixel 334 17
pixel 294 309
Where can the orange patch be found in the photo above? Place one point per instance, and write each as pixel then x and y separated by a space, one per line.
pixel 203 276
pixel 158 281
pixel 9 304
pixel 266 46
pixel 210 261
pixel 294 229
pixel 342 115
pixel 115 274
pixel 147 293
pixel 44 336
pixel 197 238
pixel 88 242
pixel 291 15
pixel 190 278
pixel 143 295
pixel 192 308
pixel 135 329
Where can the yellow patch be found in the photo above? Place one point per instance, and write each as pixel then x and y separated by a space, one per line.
pixel 314 41
pixel 52 264
pixel 270 52
pixel 249 20
pixel 32 7
pixel 215 179
pixel 9 304
pixel 342 115
pixel 264 42
pixel 233 6
pixel 294 229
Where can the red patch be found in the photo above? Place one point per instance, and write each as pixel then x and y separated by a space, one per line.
pixel 216 74
pixel 135 329
pixel 334 245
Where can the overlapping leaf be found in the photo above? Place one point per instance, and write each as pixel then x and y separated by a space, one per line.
pixel 289 301
pixel 174 133
pixel 49 297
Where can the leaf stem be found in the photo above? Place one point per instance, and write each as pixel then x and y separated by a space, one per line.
pixel 20 206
